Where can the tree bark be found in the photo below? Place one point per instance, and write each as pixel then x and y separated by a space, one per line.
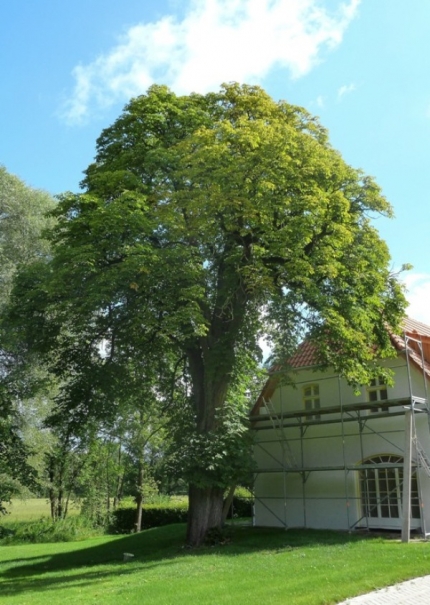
pixel 119 479
pixel 228 502
pixel 52 498
pixel 210 363
pixel 204 513
pixel 107 486
pixel 139 498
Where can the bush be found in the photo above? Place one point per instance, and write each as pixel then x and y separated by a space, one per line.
pixel 47 530
pixel 96 513
pixel 243 501
pixel 174 510
pixel 153 515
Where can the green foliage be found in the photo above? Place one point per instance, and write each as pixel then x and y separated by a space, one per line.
pixel 97 481
pixel 39 439
pixel 163 510
pixel 243 492
pixel 207 222
pixel 16 475
pixel 153 515
pixel 243 503
pixel 223 456
pixel 150 489
pixel 64 462
pixel 48 530
pixel 223 203
pixel 216 458
pixel 22 220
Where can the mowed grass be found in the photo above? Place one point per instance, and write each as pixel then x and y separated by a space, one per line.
pixel 258 566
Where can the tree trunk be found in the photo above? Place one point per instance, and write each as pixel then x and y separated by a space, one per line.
pixel 52 498
pixel 107 487
pixel 66 504
pixel 52 502
pixel 59 514
pixel 204 512
pixel 210 367
pixel 119 479
pixel 228 503
pixel 139 498
pixel 118 492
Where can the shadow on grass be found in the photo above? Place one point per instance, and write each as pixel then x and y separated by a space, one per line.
pixel 151 548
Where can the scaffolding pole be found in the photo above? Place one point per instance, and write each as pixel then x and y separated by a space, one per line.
pixel 339 386
pixel 407 473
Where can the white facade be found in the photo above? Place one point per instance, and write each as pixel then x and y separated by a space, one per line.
pixel 329 458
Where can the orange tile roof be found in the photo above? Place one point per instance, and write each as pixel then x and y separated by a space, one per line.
pixel 306 356
pixel 412 325
pixel 417 336
pixel 306 353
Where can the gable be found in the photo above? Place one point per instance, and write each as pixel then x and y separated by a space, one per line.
pixel 413 345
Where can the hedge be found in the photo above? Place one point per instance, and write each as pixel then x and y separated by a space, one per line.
pixel 155 515
pixel 242 505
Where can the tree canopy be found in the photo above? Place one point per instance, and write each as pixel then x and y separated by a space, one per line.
pixel 22 220
pixel 206 222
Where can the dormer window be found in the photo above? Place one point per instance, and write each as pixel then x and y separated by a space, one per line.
pixel 377 391
pixel 311 400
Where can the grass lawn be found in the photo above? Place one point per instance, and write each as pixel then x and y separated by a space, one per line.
pixel 258 566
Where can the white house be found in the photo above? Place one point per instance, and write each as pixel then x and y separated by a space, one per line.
pixel 327 458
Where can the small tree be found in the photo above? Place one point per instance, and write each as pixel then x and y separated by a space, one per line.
pixel 22 219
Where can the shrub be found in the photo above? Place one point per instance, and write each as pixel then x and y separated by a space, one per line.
pixel 243 502
pixel 164 512
pixel 47 530
pixel 96 514
pixel 153 515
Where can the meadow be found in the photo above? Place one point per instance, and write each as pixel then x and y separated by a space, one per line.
pixel 31 508
pixel 298 567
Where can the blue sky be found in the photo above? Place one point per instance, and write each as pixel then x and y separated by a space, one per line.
pixel 68 68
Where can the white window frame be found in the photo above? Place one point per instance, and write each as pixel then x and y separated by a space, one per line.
pixel 312 399
pixel 378 503
pixel 377 391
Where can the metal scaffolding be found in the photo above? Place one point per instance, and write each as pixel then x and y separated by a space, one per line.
pixel 361 414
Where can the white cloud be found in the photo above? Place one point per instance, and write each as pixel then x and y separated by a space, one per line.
pixel 345 90
pixel 320 101
pixel 217 41
pixel 418 295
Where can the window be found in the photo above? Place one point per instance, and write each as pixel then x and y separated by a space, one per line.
pixel 311 399
pixel 377 391
pixel 382 487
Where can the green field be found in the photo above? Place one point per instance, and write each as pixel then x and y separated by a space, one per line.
pixel 257 566
pixel 31 508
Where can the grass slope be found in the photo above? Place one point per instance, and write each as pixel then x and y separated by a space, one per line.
pixel 259 565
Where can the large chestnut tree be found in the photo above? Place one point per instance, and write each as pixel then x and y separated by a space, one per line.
pixel 205 222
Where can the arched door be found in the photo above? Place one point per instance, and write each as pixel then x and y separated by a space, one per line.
pixel 381 489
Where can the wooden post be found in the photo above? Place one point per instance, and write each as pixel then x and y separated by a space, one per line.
pixel 407 471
